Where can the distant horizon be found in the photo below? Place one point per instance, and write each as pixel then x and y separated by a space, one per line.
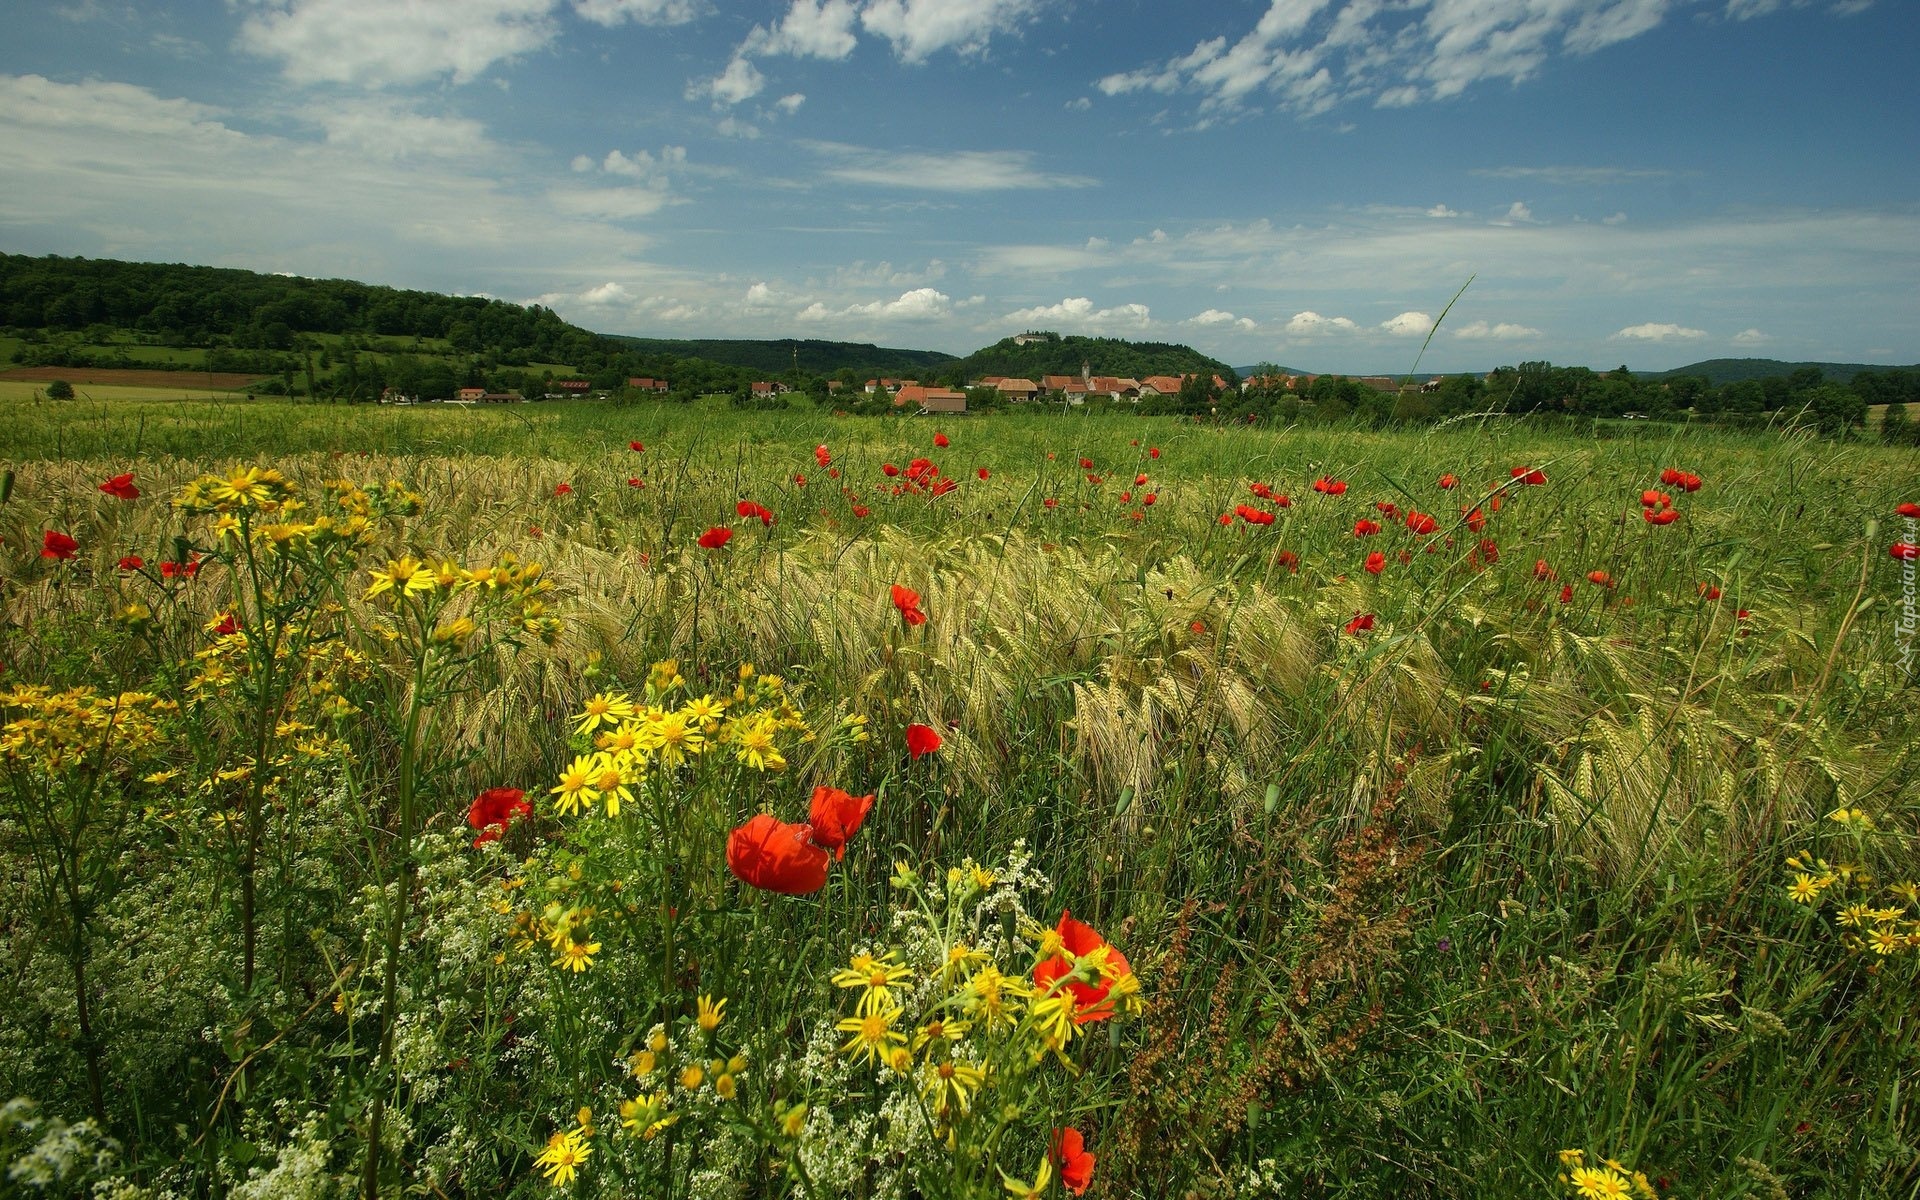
pixel 1650 181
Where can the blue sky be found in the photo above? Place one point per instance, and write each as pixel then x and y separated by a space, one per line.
pixel 1306 182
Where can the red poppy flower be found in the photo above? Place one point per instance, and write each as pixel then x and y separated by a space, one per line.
pixel 1909 509
pixel 1050 502
pixel 1489 550
pixel 923 739
pixel 178 570
pixel 1376 563
pixel 1289 560
pixel 1653 499
pixel 940 440
pixel 1388 507
pixel 889 470
pixel 226 627
pixel 799 479
pixel 1126 497
pixel 1226 518
pixel 777 857
pixel 1327 486
pixel 634 481
pixel 1476 520
pixel 1600 578
pixel 1541 570
pixel 1660 516
pixel 1091 1001
pixel 495 809
pixel 1532 476
pixel 1282 500
pixel 861 511
pixel 836 817
pixel 1365 528
pixel 748 508
pixel 1566 594
pixel 1421 523
pixel 1069 1152
pixel 1709 592
pixel 942 486
pixel 821 456
pixel 1140 479
pixel 908 602
pixel 1360 623
pixel 1262 490
pixel 1086 464
pixel 1904 551
pixel 635 446
pixel 1448 482
pixel 121 487
pixel 563 489
pixel 716 537
pixel 132 562
pixel 982 472
pixel 1153 452
pixel 1149 498
pixel 1680 479
pixel 54 544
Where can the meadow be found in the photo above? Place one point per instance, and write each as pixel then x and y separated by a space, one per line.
pixel 672 801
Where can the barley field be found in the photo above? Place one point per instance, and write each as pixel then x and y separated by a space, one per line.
pixel 672 801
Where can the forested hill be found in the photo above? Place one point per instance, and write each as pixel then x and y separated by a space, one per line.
pixel 218 306
pixel 807 355
pixel 1719 371
pixel 1103 356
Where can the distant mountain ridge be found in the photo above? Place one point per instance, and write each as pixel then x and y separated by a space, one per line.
pixel 1031 357
pixel 775 355
pixel 1718 371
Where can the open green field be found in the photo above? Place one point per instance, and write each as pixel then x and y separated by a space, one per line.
pixel 1456 832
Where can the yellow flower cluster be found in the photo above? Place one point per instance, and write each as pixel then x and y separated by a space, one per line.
pixel 665 730
pixel 54 731
pixel 1611 1180
pixel 1882 929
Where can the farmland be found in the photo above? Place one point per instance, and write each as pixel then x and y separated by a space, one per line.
pixel 1465 812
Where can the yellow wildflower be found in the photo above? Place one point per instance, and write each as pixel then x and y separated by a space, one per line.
pixel 873 1034
pixel 577 956
pixel 565 1151
pixel 1599 1183
pixel 711 1013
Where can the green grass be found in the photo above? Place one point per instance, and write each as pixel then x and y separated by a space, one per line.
pixel 1413 908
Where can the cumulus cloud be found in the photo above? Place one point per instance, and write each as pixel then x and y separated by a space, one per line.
pixel 1751 337
pixel 1216 317
pixel 956 171
pixel 810 29
pixel 375 43
pixel 740 81
pixel 1441 212
pixel 1078 312
pixel 919 28
pixel 1517 214
pixel 607 293
pixel 641 12
pixel 1503 332
pixel 1408 324
pixel 1311 324
pixel 920 304
pixel 791 103
pixel 1657 332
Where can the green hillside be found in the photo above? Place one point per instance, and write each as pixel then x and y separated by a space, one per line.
pixel 807 355
pixel 1718 371
pixel 1103 356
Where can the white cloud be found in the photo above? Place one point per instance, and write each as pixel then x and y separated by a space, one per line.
pixel 955 171
pixel 383 130
pixel 1408 324
pixel 760 295
pixel 1079 104
pixel 1078 313
pixel 377 43
pixel 1618 218
pixel 920 304
pixel 741 81
pixel 1503 332
pixel 810 29
pixel 734 127
pixel 641 12
pixel 606 293
pixel 1442 212
pixel 790 103
pixel 1217 317
pixel 641 164
pixel 1654 332
pixel 919 28
pixel 1751 337
pixel 1309 55
pixel 1310 324
pixel 1517 214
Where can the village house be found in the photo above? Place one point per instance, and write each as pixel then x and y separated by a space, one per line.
pixel 469 395
pixel 1017 391
pixel 645 383
pixel 930 399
